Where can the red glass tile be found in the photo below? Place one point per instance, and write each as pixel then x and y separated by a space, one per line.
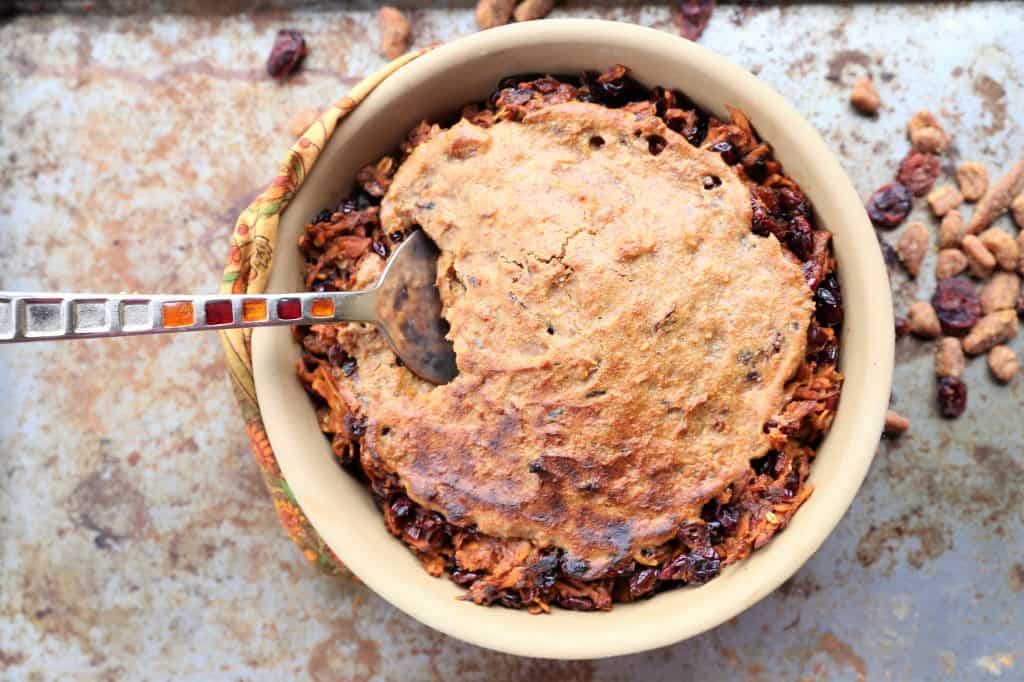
pixel 219 312
pixel 289 309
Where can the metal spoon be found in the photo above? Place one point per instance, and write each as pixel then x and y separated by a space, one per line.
pixel 404 304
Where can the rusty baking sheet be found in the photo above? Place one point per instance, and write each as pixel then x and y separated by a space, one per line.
pixel 136 539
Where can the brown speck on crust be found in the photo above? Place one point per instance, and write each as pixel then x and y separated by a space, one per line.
pixel 491 13
pixel 394 32
pixel 998 198
pixel 1002 361
pixel 895 423
pixel 973 180
pixel 864 97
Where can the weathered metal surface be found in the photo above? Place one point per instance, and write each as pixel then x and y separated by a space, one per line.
pixel 135 537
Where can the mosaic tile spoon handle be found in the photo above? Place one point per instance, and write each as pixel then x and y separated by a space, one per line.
pixel 404 303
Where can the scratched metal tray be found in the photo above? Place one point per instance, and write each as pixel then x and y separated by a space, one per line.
pixel 136 540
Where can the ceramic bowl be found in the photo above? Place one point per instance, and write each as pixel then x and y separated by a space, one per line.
pixel 466 70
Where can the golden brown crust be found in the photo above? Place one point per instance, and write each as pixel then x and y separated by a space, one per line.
pixel 540 395
pixel 618 353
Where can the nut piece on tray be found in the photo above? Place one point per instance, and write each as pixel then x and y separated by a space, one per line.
pixel 944 199
pixel 949 358
pixel 973 180
pixel 895 424
pixel 1003 247
pixel 912 247
pixel 951 230
pixel 528 10
pixel 1003 363
pixel 394 32
pixel 926 133
pixel 1000 292
pixel 992 330
pixel 979 259
pixel 997 199
pixel 923 320
pixel 491 13
pixel 865 97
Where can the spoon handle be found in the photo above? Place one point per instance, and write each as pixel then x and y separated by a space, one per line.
pixel 48 316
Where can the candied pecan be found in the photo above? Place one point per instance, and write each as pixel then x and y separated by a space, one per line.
pixel 918 172
pixel 926 133
pixel 997 199
pixel 376 178
pixel 1017 211
pixel 528 10
pixel 949 358
pixel 956 305
pixel 394 32
pixel 1002 361
pixel 991 330
pixel 889 205
pixel 979 259
pixel 694 16
pixel 301 120
pixel 491 13
pixel 1003 247
pixel 951 230
pixel 952 397
pixel 864 97
pixel 287 53
pixel 950 263
pixel 923 321
pixel 973 180
pixel 1000 292
pixel 944 199
pixel 895 424
pixel 912 247
pixel 614 88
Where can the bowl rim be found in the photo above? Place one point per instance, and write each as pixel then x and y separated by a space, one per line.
pixel 552 636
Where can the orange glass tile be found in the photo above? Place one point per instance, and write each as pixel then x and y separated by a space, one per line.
pixel 322 307
pixel 179 314
pixel 254 310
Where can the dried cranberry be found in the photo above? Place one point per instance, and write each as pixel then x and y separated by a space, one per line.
pixel 337 356
pixel 956 305
pixel 397 236
pixel 643 582
pixel 889 206
pixel 952 397
pixel 323 216
pixel 348 366
pixel 918 172
pixel 902 327
pixel 464 578
pixel 325 285
pixel 765 465
pixel 402 507
pixel 355 425
pixel 694 567
pixel 694 16
pixel 729 153
pixel 288 51
pixel 347 205
pixel 1020 308
pixel 696 133
pixel 510 600
pixel 889 255
pixel 828 302
pixel 379 248
pixel 574 603
pixel 614 88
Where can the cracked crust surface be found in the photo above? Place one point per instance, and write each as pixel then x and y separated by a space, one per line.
pixel 621 335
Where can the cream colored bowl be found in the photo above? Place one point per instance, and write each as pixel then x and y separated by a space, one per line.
pixel 438 83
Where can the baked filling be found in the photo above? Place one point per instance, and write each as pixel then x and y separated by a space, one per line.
pixel 643 316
